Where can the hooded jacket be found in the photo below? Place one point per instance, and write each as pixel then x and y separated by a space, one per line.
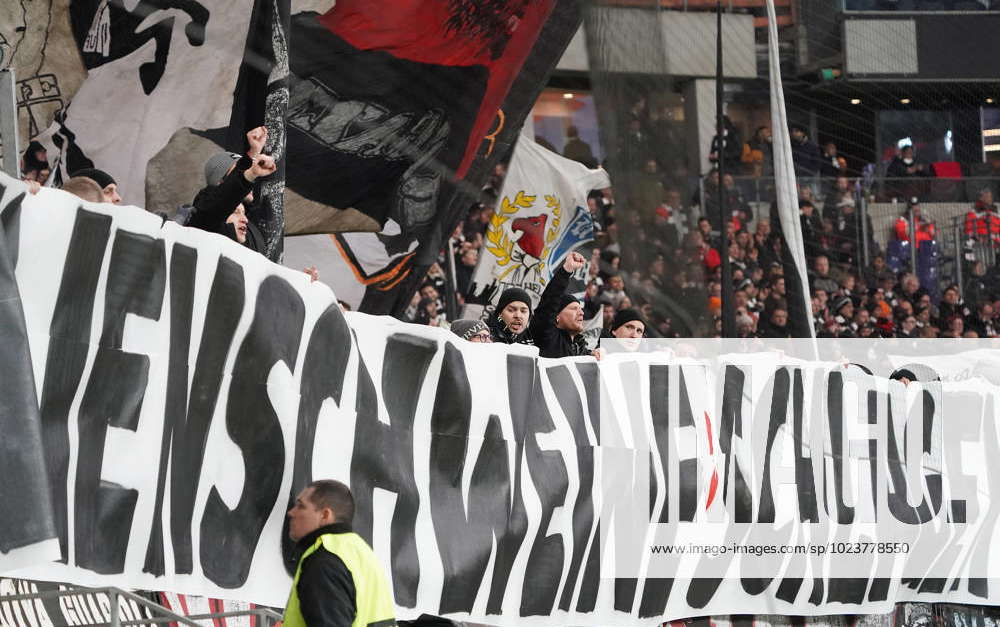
pixel 214 204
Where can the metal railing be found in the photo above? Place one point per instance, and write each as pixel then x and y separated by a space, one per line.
pixel 158 614
pixel 879 189
pixel 919 6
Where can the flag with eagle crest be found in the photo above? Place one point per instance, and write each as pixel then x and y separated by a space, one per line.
pixel 541 216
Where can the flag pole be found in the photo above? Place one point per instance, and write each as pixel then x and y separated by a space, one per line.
pixel 451 294
pixel 785 194
pixel 728 315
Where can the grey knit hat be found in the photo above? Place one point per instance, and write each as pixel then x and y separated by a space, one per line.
pixel 465 329
pixel 218 165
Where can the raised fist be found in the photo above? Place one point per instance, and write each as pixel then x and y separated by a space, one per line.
pixel 256 138
pixel 263 165
pixel 574 261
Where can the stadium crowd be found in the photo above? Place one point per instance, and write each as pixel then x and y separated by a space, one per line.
pixel 660 259
pixel 656 266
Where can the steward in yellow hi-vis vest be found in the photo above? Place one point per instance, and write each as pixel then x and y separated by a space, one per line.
pixel 338 581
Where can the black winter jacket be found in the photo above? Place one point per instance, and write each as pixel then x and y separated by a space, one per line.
pixel 551 340
pixel 214 205
pixel 502 335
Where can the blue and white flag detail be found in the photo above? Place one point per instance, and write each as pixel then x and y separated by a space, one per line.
pixel 541 217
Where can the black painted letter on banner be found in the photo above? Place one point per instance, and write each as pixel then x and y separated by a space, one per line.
pixel 136 282
pixel 229 536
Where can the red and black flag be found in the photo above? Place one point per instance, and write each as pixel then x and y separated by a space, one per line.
pixel 398 110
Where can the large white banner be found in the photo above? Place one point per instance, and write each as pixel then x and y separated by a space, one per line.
pixel 188 389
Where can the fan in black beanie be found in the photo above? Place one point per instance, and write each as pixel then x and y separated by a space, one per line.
pixel 513 311
pixel 107 183
pixel 628 323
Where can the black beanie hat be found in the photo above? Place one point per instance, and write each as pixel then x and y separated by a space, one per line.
pixel 513 295
pixel 566 300
pixel 102 178
pixel 625 316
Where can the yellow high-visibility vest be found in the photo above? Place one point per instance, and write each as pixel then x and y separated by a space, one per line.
pixel 373 599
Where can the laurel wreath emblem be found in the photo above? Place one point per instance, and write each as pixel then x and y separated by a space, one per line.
pixel 497 240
